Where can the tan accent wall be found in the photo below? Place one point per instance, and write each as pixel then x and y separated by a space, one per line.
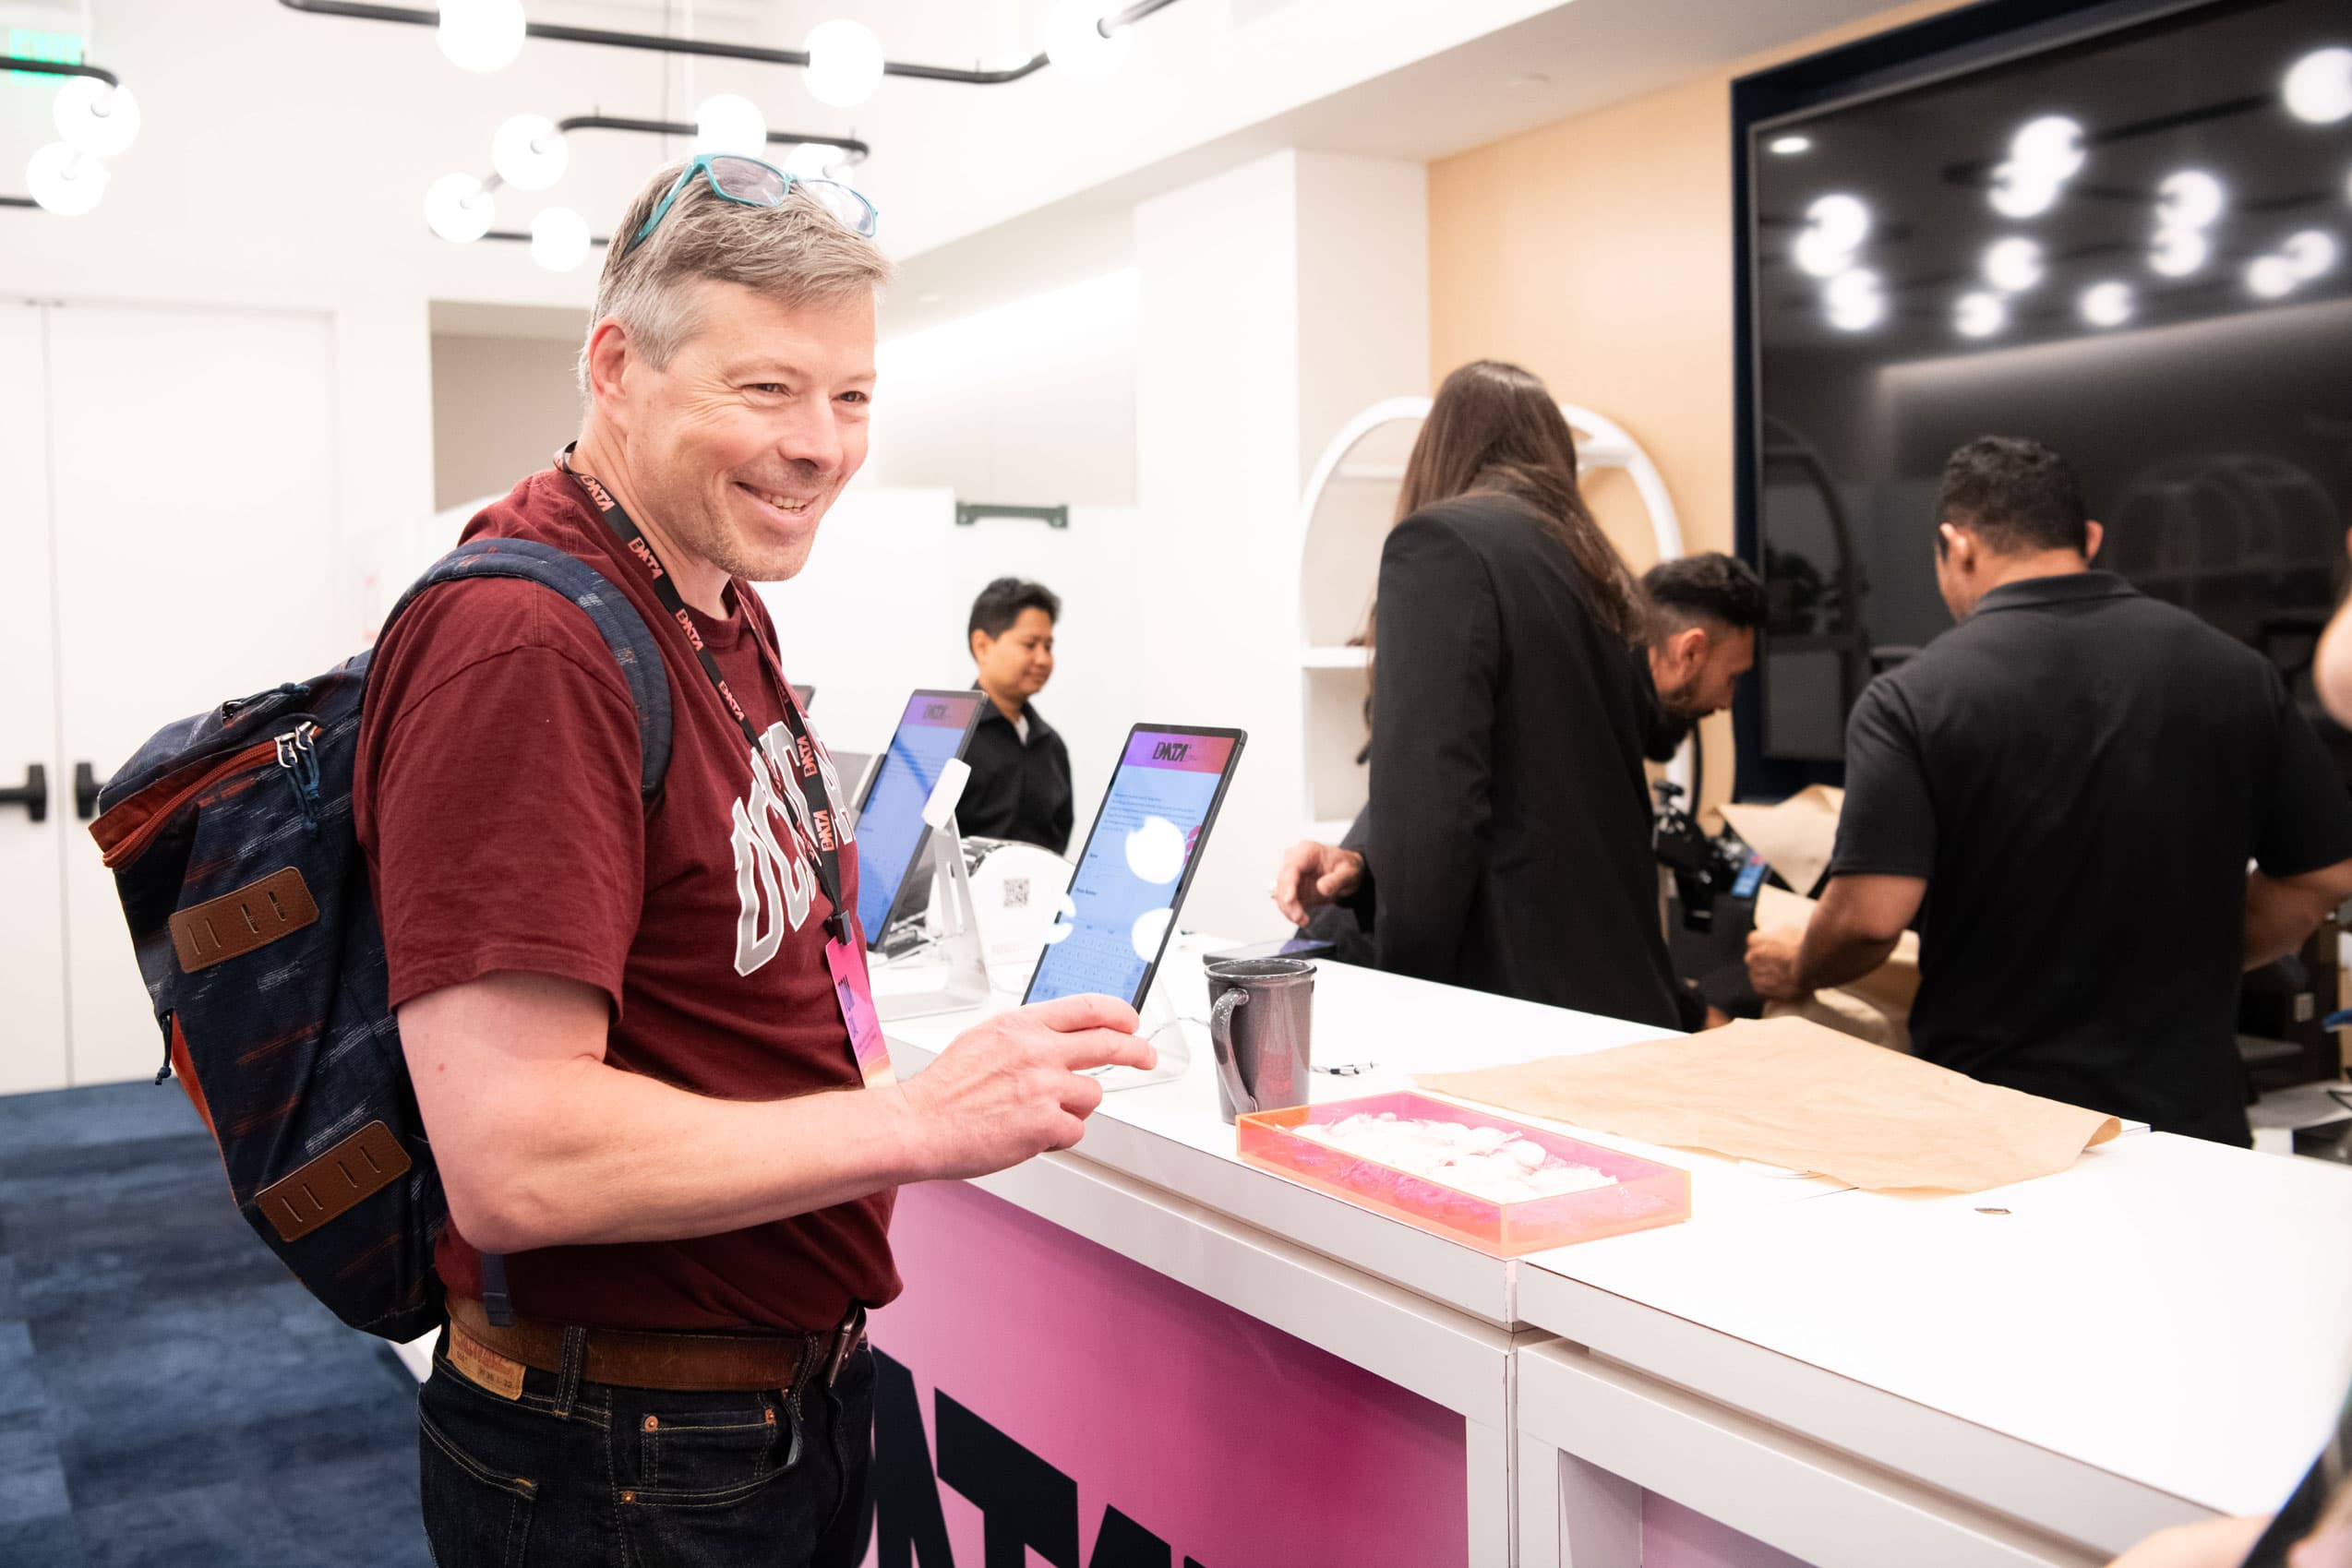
pixel 1596 252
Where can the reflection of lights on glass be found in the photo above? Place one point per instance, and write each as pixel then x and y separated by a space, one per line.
pixel 1852 287
pixel 1835 226
pixel 1788 145
pixel 1979 315
pixel 2319 87
pixel 2106 305
pixel 1150 927
pixel 1156 850
pixel 1855 301
pixel 529 153
pixel 1843 221
pixel 2311 253
pixel 2012 265
pixel 458 209
pixel 2188 199
pixel 2179 252
pixel 2271 277
pixel 2019 192
pixel 1065 920
pixel 1816 257
pixel 2049 148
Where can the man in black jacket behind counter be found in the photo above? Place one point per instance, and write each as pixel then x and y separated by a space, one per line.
pixel 1020 786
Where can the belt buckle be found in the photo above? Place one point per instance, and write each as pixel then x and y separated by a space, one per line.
pixel 844 1343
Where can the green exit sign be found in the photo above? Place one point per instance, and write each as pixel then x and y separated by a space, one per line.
pixel 33 43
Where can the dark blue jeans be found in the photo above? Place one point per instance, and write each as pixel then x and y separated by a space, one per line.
pixel 576 1473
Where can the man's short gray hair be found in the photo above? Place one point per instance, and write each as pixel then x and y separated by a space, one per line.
pixel 797 254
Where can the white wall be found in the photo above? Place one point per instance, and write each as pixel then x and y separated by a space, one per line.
pixel 1276 299
pixel 1363 291
pixel 1032 401
pixel 881 606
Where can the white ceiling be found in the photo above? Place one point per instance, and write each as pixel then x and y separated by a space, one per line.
pixel 296 149
pixel 1567 60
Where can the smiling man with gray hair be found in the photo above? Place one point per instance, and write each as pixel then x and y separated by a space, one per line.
pixel 640 1030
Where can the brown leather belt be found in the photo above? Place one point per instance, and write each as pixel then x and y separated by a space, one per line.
pixel 689 1362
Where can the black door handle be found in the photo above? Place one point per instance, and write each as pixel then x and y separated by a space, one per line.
pixel 85 791
pixel 33 796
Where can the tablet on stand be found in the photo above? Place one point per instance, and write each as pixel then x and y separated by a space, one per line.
pixel 934 730
pixel 1138 863
pixel 955 938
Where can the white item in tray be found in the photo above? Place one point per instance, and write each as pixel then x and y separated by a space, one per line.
pixel 1492 1163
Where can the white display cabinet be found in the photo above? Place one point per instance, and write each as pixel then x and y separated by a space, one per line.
pixel 1348 506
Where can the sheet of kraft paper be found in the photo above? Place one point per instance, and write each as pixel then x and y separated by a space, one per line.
pixel 1794 1093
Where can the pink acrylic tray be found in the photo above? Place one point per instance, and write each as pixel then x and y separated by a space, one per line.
pixel 1647 1194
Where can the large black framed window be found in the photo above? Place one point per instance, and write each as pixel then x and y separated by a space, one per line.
pixel 2122 228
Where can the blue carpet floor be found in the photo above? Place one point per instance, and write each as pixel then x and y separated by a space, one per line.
pixel 168 1394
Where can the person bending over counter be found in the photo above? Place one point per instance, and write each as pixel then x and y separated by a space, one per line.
pixel 2081 775
pixel 1705 611
pixel 1020 786
pixel 1511 818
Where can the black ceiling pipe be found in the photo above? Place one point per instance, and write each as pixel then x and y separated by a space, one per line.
pixel 663 44
pixel 58 69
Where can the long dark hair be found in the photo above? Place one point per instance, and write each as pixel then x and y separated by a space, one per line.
pixel 1494 429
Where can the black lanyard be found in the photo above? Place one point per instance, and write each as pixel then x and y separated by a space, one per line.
pixel 804 769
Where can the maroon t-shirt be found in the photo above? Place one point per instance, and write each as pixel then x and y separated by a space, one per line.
pixel 497 798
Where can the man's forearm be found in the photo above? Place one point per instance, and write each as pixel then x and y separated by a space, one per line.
pixel 605 1155
pixel 1836 955
pixel 2281 916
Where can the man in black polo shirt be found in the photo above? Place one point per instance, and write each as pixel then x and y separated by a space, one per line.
pixel 2074 779
pixel 1020 786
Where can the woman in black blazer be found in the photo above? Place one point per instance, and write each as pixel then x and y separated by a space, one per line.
pixel 1510 843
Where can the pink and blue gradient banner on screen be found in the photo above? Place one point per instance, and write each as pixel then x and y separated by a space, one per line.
pixel 1184 753
pixel 938 712
pixel 1043 1399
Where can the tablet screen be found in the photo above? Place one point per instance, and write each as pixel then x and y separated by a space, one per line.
pixel 889 818
pixel 1138 862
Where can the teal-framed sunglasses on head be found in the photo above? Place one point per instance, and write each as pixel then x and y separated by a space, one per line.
pixel 749 181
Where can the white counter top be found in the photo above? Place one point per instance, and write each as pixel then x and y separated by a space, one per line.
pixel 2161 1330
pixel 1169 1134
pixel 2170 1311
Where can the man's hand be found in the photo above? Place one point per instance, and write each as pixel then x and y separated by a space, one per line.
pixel 1771 962
pixel 1313 875
pixel 1014 1086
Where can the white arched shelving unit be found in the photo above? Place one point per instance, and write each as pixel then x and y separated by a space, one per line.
pixel 1350 503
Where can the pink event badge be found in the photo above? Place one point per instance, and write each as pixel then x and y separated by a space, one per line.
pixel 856 993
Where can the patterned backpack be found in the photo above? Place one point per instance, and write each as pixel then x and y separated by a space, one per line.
pixel 231 839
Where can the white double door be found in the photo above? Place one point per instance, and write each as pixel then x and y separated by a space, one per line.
pixel 168 538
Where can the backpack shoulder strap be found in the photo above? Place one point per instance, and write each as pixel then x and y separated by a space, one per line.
pixel 617 620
